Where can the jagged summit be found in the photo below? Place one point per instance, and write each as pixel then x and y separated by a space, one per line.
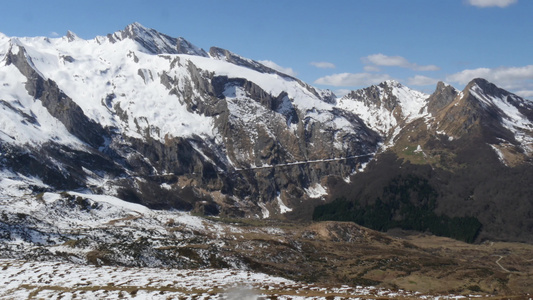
pixel 71 36
pixel 385 106
pixel 483 86
pixel 155 42
pixel 136 27
pixel 391 83
pixel 490 95
pixel 444 95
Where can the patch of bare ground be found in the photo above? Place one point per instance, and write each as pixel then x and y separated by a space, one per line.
pixel 345 253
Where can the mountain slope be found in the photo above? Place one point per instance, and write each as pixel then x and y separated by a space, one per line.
pixel 156 120
pixel 386 107
pixel 461 168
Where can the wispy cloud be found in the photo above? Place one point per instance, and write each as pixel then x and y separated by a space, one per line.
pixel 323 65
pixel 54 34
pixel 275 66
pixel 396 61
pixel 419 80
pixel 491 3
pixel 352 79
pixel 368 68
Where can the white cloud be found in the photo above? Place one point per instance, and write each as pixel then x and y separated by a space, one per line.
pixel 385 60
pixel 352 79
pixel 54 34
pixel 491 3
pixel 275 66
pixel 323 65
pixel 518 80
pixel 525 94
pixel 371 69
pixel 342 92
pixel 419 80
pixel 396 61
pixel 505 76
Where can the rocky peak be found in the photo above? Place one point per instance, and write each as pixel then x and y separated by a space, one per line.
pixel 155 42
pixel 328 96
pixel 71 36
pixel 484 110
pixel 390 95
pixel 391 84
pixel 481 86
pixel 493 101
pixel 444 94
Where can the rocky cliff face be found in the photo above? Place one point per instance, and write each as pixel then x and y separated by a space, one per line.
pixel 444 94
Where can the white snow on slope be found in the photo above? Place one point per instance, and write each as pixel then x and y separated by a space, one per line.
pixel 282 207
pixel 411 101
pixel 17 198
pixel 106 79
pixel 513 120
pixel 381 119
pixel 59 280
pixel 501 157
pixel 316 191
pixel 377 118
pixel 271 83
pixel 23 120
pixel 91 71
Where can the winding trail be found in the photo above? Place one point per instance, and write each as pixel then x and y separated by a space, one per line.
pixel 302 162
pixel 498 263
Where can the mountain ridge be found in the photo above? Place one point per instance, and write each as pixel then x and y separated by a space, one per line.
pixel 155 120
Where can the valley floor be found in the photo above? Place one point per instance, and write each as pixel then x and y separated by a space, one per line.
pixel 58 280
pixel 81 246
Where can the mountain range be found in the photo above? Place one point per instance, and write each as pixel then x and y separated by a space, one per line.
pixel 154 120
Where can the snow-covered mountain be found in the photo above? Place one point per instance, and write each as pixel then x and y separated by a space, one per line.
pixel 386 107
pixel 390 107
pixel 152 119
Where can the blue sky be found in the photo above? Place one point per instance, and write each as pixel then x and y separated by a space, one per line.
pixel 340 45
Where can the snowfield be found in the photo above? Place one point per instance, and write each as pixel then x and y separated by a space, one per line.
pixel 58 280
pixel 110 77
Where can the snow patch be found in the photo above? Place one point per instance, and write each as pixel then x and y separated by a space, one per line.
pixel 501 157
pixel 316 191
pixel 264 210
pixel 166 186
pixel 282 207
